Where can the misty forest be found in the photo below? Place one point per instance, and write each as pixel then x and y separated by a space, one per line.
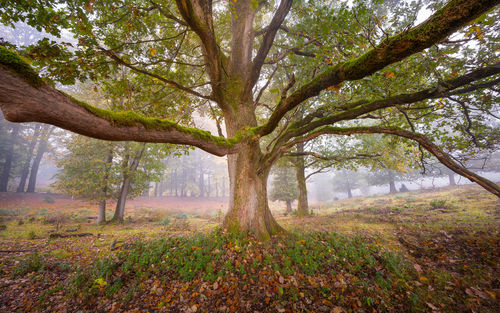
pixel 249 156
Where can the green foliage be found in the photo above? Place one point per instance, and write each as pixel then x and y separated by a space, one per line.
pixel 208 256
pixel 438 204
pixel 49 199
pixel 34 263
pixel 284 183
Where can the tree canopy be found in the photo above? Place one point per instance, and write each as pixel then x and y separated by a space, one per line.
pixel 271 74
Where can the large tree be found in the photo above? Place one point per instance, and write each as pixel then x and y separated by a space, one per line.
pixel 355 67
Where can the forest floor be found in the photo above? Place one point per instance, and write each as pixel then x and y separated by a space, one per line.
pixel 433 251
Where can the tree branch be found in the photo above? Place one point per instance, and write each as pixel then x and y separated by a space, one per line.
pixel 424 141
pixel 268 39
pixel 22 102
pixel 115 57
pixel 358 108
pixel 441 24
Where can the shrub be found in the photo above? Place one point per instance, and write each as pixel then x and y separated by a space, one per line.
pixel 164 221
pixel 438 204
pixel 34 263
pixel 20 222
pixel 3 227
pixel 49 199
pixel 32 235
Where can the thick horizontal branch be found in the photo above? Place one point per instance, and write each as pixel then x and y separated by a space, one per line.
pixel 440 25
pixel 20 101
pixel 424 141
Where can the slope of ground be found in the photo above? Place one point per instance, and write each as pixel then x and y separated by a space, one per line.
pixel 425 252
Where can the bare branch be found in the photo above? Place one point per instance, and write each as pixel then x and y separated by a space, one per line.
pixel 424 141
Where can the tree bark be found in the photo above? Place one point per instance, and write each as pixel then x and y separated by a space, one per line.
pixel 7 166
pixel 101 214
pixel 248 206
pixel 451 178
pixel 392 185
pixel 288 207
pixel 27 163
pixel 127 179
pixel 303 205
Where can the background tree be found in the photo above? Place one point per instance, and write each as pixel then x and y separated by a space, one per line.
pixel 357 68
pixel 284 184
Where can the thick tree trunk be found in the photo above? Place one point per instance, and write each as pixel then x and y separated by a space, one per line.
pixel 42 148
pixel 451 178
pixel 27 163
pixel 392 187
pixel 7 165
pixel 302 206
pixel 101 213
pixel 248 206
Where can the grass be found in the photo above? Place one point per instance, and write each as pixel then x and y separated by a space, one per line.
pixel 394 253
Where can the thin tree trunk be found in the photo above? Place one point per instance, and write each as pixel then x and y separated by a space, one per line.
pixel 7 166
pixel 101 215
pixel 288 207
pixel 451 178
pixel 201 184
pixel 303 205
pixel 349 193
pixel 42 148
pixel 27 163
pixel 209 190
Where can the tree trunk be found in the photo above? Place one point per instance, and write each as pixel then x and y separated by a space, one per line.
pixel 349 193
pixel 101 213
pixel 248 207
pixel 42 148
pixel 302 206
pixel 392 186
pixel 7 166
pixel 27 163
pixel 288 207
pixel 451 178
pixel 127 179
pixel 201 184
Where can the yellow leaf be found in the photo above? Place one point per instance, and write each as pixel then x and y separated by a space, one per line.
pixel 389 75
pixel 153 51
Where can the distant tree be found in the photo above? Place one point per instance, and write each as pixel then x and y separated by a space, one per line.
pixel 284 184
pixel 87 171
pixel 347 180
